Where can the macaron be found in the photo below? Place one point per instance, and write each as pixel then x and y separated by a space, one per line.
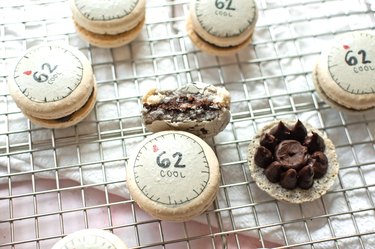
pixel 173 175
pixel 90 238
pixel 344 75
pixel 200 108
pixel 292 161
pixel 54 86
pixel 220 27
pixel 108 24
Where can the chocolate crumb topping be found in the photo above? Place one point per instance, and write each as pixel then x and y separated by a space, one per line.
pixel 292 157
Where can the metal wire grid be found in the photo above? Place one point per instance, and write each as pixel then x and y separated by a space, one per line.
pixel 262 81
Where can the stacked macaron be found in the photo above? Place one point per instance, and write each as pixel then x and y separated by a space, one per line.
pixel 173 175
pixel 221 27
pixel 53 85
pixel 108 24
pixel 344 75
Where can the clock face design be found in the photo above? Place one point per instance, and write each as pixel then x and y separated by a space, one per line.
pixel 171 169
pixel 48 73
pixel 351 63
pixel 102 10
pixel 89 241
pixel 225 18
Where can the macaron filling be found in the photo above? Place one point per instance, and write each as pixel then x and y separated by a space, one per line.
pixel 291 157
pixel 246 41
pixel 187 103
pixel 70 116
pixel 178 108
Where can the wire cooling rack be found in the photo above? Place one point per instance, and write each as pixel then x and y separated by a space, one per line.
pixel 54 182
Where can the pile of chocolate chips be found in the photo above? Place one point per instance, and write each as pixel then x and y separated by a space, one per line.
pixel 291 157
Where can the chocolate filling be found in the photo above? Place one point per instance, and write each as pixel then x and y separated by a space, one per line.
pixel 291 157
pixel 179 108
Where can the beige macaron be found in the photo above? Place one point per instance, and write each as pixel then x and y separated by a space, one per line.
pixel 173 175
pixel 344 75
pixel 292 161
pixel 53 85
pixel 108 24
pixel 220 27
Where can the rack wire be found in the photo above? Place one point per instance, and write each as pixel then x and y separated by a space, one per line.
pixel 54 182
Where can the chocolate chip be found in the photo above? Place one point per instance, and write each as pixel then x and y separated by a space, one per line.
pixel 280 132
pixel 306 177
pixel 314 143
pixel 320 164
pixel 291 154
pixel 298 132
pixel 263 157
pixel 274 171
pixel 269 141
pixel 289 179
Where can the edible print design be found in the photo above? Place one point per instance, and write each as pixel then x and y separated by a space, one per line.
pixel 171 169
pixel 48 73
pixel 89 241
pixel 103 10
pixel 225 18
pixel 351 63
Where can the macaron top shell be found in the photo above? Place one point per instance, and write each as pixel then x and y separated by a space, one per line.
pixel 51 81
pixel 346 70
pixel 90 239
pixel 104 17
pixel 224 23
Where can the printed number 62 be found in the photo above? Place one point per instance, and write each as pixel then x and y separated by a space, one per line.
pixel 165 163
pixel 220 4
pixel 351 60
pixel 41 77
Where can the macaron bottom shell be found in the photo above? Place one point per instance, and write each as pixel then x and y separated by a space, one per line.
pixel 211 48
pixel 110 41
pixel 71 119
pixel 323 95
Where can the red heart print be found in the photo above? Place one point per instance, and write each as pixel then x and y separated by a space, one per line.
pixel 28 72
pixel 346 47
pixel 155 148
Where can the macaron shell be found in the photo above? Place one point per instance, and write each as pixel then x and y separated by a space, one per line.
pixel 90 238
pixel 72 119
pixel 210 48
pixel 62 106
pixel 174 211
pixel 350 87
pixel 92 16
pixel 230 25
pixel 110 41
